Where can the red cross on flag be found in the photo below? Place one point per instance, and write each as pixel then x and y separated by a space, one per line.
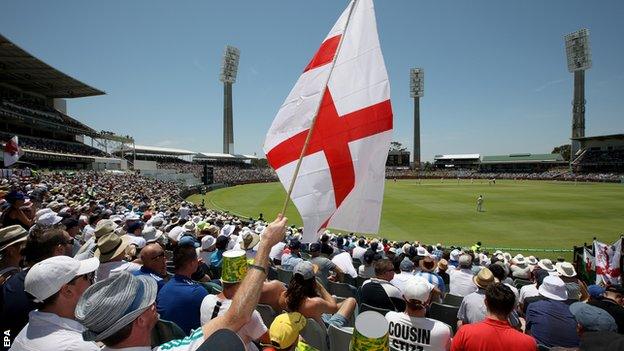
pixel 12 152
pixel 340 182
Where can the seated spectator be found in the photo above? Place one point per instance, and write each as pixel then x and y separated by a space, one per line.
pixel 308 297
pixel 577 290
pixel 290 260
pixel 56 284
pixel 16 304
pixel 379 292
pixel 213 306
pixel 324 264
pixel 406 268
pixel 442 272
pixel 410 329
pixel 276 253
pixel 111 250
pixel 499 273
pixel 540 275
pixel 461 279
pixel 154 264
pixel 12 241
pixel 494 333
pixel 549 320
pixel 427 265
pixel 472 309
pixel 612 303
pixel 179 301
pixel 596 292
pixel 102 228
pixel 206 249
pixel 18 212
pixel 135 233
pixel 216 259
pixel 519 267
pixel 530 290
pixel 285 333
pixel 596 328
pixel 359 250
pixel 367 269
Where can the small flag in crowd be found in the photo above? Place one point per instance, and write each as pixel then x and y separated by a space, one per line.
pixel 12 152
pixel 340 182
pixel 588 270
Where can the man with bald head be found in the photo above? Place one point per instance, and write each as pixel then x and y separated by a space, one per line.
pixel 154 264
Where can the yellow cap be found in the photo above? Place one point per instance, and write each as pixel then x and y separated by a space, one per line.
pixel 285 329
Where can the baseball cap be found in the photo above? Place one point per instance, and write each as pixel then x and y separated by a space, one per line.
pixel 418 290
pixel 592 318
pixel 47 277
pixel 595 291
pixel 285 329
pixel 305 269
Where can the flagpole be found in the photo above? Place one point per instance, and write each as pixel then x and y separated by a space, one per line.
pixel 318 107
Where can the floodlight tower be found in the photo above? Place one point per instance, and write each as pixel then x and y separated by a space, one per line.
pixel 229 68
pixel 579 60
pixel 417 90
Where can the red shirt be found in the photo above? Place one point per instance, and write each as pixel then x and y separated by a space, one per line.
pixel 491 335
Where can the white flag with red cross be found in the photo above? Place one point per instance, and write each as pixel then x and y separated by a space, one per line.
pixel 12 151
pixel 608 262
pixel 340 183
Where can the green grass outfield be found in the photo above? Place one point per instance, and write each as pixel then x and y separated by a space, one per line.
pixel 518 214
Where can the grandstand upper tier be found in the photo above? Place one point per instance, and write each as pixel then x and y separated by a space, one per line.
pixel 33 107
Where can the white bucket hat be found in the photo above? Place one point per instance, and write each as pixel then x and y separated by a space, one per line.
pixel 546 265
pixel 553 288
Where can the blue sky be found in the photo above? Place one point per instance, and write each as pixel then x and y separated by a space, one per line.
pixel 495 75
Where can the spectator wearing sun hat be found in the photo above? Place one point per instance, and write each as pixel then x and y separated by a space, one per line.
pixel 549 320
pixel 404 325
pixel 102 228
pixel 56 283
pixel 206 249
pixel 12 240
pixel 548 266
pixel 427 267
pixel 577 290
pixel 111 250
pixel 15 214
pixel 135 234
pixel 461 279
pixel 519 267
pixel 472 308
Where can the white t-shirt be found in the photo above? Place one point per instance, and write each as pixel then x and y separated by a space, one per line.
pixel 87 232
pixel 358 253
pixel 400 280
pixel 253 330
pixel 527 291
pixel 461 283
pixel 391 290
pixel 417 333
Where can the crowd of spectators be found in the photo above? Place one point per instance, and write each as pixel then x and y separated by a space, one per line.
pixel 225 174
pixel 32 108
pixel 555 174
pixel 57 146
pixel 90 259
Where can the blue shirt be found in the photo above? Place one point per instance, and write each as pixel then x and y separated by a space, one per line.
pixel 14 304
pixel 179 301
pixel 216 259
pixel 150 273
pixel 551 323
pixel 289 261
pixel 433 279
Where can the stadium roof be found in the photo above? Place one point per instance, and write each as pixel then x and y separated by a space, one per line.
pixel 456 157
pixel 523 158
pixel 600 137
pixel 217 156
pixel 23 70
pixel 155 150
